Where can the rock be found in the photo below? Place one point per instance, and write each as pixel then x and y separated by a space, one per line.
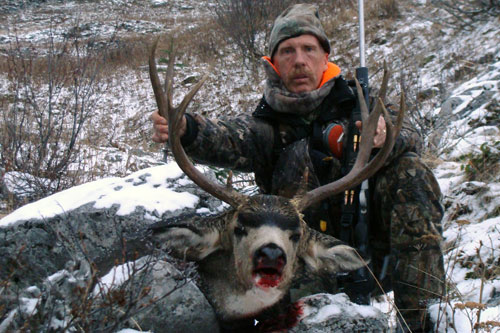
pixel 472 188
pixel 335 313
pixel 485 97
pixel 185 309
pixel 189 80
pixel 113 157
pixel 449 105
pixel 163 297
pixel 444 117
pixel 379 40
pixel 34 249
pixel 428 93
pixel 159 3
pixel 494 299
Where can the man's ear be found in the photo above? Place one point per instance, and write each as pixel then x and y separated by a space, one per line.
pixel 328 254
pixel 325 62
pixel 188 240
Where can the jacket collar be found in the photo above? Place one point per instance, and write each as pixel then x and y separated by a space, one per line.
pixel 302 104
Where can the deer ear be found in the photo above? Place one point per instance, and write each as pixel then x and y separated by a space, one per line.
pixel 189 241
pixel 328 254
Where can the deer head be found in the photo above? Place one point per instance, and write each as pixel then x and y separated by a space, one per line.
pixel 263 237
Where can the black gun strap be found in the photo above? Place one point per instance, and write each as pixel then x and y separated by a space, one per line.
pixel 354 224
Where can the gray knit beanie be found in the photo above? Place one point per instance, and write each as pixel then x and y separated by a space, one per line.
pixel 297 20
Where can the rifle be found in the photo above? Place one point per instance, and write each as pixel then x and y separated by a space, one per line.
pixel 354 224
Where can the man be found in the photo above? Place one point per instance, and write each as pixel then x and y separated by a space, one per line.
pixel 305 93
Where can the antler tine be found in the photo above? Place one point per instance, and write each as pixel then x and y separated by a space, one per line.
pixel 161 100
pixel 169 74
pixel 392 130
pixel 361 170
pixel 174 116
pixel 189 96
pixel 370 121
pixel 385 81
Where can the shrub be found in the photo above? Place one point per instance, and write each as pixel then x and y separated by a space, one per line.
pixel 52 92
pixel 485 165
pixel 464 13
pixel 247 23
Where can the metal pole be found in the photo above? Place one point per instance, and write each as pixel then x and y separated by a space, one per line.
pixel 361 16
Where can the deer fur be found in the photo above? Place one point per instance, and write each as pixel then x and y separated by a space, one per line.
pixel 225 248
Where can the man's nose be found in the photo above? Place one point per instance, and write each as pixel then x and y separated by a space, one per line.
pixel 300 58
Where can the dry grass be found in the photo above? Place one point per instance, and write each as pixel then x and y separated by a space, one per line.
pixel 204 43
pixel 431 160
pixel 383 9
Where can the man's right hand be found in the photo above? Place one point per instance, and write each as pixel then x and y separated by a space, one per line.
pixel 160 126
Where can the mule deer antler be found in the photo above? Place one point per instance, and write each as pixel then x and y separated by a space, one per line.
pixel 361 170
pixel 174 116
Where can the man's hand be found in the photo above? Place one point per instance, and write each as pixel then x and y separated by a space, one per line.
pixel 380 132
pixel 160 126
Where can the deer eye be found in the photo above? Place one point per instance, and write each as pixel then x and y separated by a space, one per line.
pixel 240 231
pixel 295 237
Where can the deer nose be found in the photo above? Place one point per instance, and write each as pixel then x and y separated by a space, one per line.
pixel 269 254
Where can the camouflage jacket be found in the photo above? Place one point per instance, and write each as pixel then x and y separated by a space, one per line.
pixel 252 142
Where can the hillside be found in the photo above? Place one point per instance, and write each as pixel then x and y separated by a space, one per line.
pixel 448 66
pixel 425 54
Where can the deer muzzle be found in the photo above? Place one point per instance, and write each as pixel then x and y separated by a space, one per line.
pixel 268 262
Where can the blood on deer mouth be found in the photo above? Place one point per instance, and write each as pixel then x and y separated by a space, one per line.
pixel 268 273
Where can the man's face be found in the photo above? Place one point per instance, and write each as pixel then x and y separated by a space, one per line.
pixel 301 62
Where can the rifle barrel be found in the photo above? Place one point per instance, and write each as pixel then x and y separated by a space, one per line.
pixel 361 17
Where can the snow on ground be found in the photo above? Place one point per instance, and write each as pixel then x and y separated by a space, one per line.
pixel 461 136
pixel 118 275
pixel 55 19
pixel 472 221
pixel 147 188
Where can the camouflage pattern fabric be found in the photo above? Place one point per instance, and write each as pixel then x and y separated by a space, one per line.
pixel 408 203
pixel 244 144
